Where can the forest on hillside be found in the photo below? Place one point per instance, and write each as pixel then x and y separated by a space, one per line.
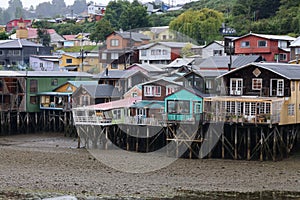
pixel 200 20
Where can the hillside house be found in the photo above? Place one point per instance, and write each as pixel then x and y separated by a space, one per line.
pixel 273 48
pixel 120 50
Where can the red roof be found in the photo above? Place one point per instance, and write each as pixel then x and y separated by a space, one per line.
pixel 32 32
pixel 69 37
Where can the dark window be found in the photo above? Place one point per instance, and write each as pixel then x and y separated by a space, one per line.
pixel 69 60
pixel 33 86
pixel 54 82
pixel 245 44
pixel 33 100
pixel 114 66
pixel 262 43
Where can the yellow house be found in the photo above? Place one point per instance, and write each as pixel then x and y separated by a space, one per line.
pixel 91 62
pixel 71 61
pixel 161 33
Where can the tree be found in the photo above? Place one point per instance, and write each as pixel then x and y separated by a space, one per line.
pixel 3 36
pixel 125 15
pixel 186 51
pixel 102 29
pixel 79 6
pixel 44 9
pixel 44 37
pixel 200 25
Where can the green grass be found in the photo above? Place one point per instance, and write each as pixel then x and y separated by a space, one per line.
pixel 78 48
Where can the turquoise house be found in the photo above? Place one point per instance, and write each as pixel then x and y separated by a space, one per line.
pixel 184 105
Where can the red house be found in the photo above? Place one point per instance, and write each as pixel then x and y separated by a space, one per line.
pixel 273 48
pixel 13 24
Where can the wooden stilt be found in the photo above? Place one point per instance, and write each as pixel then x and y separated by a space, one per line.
pixel 223 144
pixel 235 142
pixel 261 145
pixel 274 145
pixel 248 143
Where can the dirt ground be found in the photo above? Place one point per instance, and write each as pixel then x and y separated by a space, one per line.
pixel 49 164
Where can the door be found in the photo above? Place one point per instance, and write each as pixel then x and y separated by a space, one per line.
pixel 277 87
pixel 236 86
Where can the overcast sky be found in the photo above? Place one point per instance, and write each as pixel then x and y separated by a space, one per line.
pixel 28 3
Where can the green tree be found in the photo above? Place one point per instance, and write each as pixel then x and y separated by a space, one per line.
pixel 186 51
pixel 44 37
pixel 125 15
pixel 19 12
pixel 200 25
pixel 3 36
pixel 101 30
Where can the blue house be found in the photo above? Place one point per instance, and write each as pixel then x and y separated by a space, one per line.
pixel 184 105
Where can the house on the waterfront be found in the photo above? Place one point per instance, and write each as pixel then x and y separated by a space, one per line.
pixel 94 94
pixel 123 80
pixel 258 93
pixel 273 48
pixel 120 50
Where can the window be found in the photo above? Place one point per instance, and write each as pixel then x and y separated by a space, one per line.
pixel 209 84
pixel 17 52
pixel 134 94
pixel 291 109
pixel 104 56
pixel 164 52
pixel 170 90
pixel 85 100
pixel 282 44
pixel 245 44
pixel 114 55
pixel 297 50
pixel 262 43
pixel 282 56
pixel 1 53
pixel 54 82
pixel 114 43
pixel 152 52
pixel 114 66
pixel 152 91
pixel 217 53
pixel 143 52
pixel 198 107
pixel 117 114
pixel 277 87
pixel 33 84
pixel 69 60
pixel 33 99
pixel 256 84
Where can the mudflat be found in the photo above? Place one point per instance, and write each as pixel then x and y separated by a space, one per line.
pixel 49 164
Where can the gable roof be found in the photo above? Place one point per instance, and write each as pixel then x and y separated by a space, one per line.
pixel 223 61
pixel 147 67
pixel 18 43
pixel 270 37
pixel 289 71
pixel 164 80
pixel 169 44
pixel 102 91
pixel 179 62
pixel 117 74
pixel 138 37
pixel 296 43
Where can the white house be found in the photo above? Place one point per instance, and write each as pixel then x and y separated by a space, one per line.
pixel 44 62
pixel 215 48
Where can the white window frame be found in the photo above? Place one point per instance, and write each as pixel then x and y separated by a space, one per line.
pixel 104 56
pixel 170 90
pixel 114 56
pixel 152 90
pixel 279 87
pixel 238 88
pixel 143 52
pixel 291 109
pixel 114 42
pixel 209 84
pixel 297 50
pixel 284 55
pixel 256 82
pixel 243 44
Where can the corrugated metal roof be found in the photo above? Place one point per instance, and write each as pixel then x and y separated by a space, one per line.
pixel 271 37
pixel 223 61
pixel 18 43
pixel 296 43
pixel 102 91
pixel 116 74
pixel 169 44
pixel 138 37
pixel 289 71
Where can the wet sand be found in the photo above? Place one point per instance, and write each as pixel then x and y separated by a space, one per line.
pixel 49 164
